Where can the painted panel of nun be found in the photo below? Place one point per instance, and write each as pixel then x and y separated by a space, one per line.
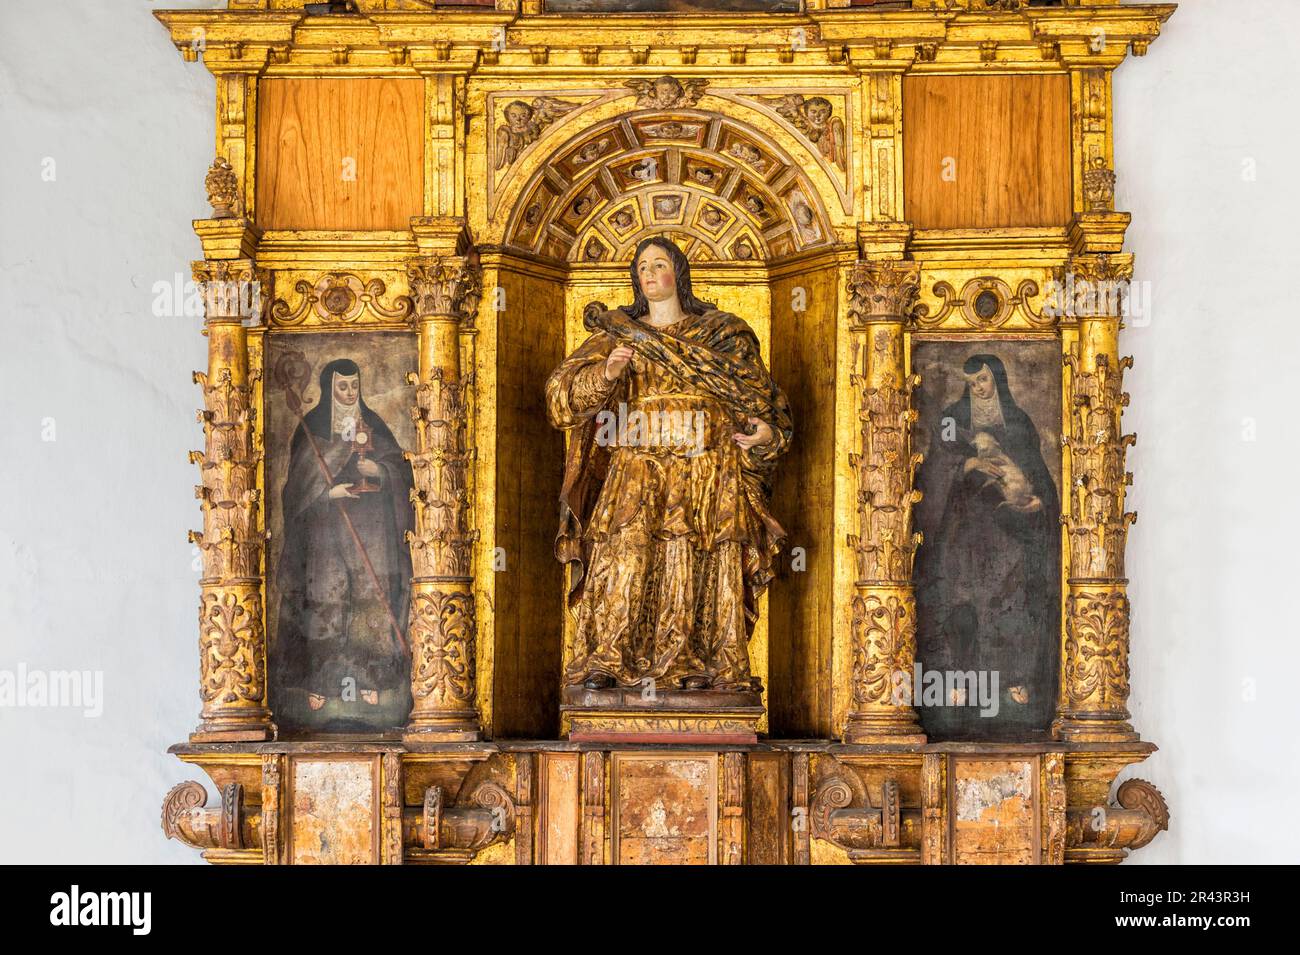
pixel 338 494
pixel 988 572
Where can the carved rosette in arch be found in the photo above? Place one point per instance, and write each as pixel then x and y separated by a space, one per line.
pixel 821 117
pixel 445 291
pixel 723 189
pixel 882 300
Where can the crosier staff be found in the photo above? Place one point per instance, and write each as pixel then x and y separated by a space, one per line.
pixel 284 377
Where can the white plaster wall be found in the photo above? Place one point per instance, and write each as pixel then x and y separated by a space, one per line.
pixel 96 574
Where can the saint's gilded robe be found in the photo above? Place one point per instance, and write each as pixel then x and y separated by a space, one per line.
pixel 664 519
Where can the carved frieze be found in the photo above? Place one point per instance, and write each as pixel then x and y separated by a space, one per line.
pixel 341 298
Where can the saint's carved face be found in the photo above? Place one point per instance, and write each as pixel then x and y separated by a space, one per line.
pixel 654 270
pixel 347 388
pixel 981 383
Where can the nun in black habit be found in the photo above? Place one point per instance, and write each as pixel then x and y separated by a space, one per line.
pixel 339 648
pixel 988 573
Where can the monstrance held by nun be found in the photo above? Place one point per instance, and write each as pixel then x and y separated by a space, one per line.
pixel 675 428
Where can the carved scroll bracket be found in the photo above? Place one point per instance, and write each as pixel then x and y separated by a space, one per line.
pixel 882 298
pixel 1107 833
pixel 843 814
pixel 187 817
pixel 454 834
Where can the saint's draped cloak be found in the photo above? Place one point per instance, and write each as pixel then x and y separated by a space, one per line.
pixel 988 595
pixel 333 623
pixel 669 543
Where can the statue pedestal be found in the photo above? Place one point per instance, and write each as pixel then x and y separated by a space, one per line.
pixel 619 715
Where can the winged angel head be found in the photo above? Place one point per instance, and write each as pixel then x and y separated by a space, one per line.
pixel 666 92
pixel 814 117
pixel 524 123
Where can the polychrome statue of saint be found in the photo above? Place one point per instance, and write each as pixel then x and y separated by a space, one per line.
pixel 665 522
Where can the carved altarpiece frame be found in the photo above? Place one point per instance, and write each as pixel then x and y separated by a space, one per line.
pixel 767 201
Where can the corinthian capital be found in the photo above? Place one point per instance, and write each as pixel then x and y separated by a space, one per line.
pixel 883 291
pixel 233 289
pixel 445 285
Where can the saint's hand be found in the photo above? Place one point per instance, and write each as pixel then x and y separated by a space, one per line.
pixel 762 434
pixel 368 468
pixel 617 361
pixel 341 491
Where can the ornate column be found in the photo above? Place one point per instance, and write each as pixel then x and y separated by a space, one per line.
pixel 1092 705
pixel 882 296
pixel 445 289
pixel 232 639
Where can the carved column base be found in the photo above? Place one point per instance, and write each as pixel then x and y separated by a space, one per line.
pixel 1095 676
pixel 231 669
pixel 442 663
pixel 884 653
pixel 884 728
pixel 232 731
pixel 1094 728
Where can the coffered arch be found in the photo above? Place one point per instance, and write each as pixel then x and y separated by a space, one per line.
pixel 723 188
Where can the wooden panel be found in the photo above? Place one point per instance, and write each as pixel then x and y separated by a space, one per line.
pixel 335 811
pixel 560 810
pixel 803 500
pixel 994 811
pixel 529 474
pixel 986 151
pixel 665 809
pixel 340 154
pixel 769 809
